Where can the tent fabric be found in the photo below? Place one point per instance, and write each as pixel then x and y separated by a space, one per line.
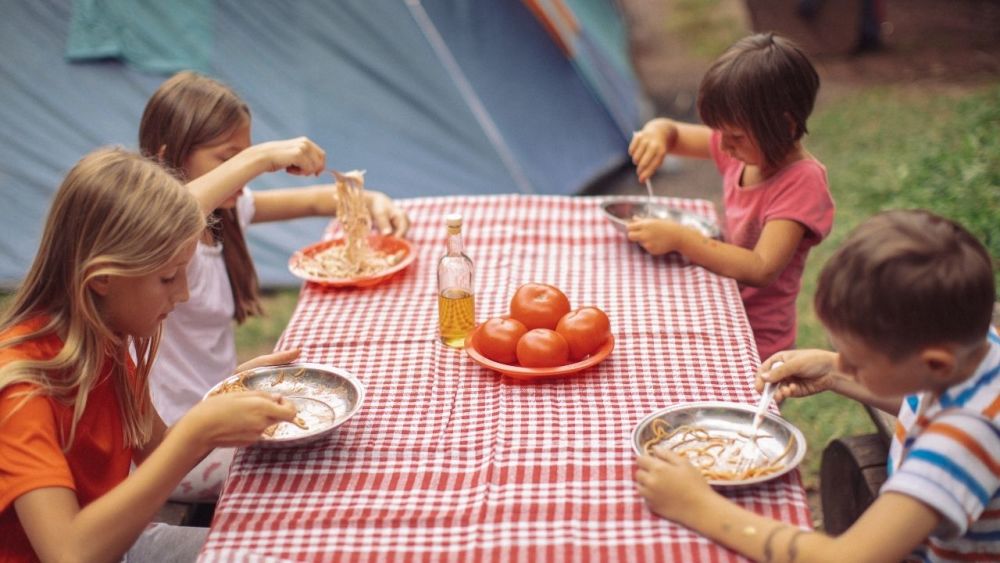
pixel 439 97
pixel 152 36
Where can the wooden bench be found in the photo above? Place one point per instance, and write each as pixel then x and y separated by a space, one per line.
pixel 852 471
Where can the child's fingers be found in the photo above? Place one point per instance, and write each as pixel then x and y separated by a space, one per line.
pixel 668 456
pixel 280 408
pixel 637 149
pixel 401 222
pixel 382 223
pixel 272 359
pixel 645 462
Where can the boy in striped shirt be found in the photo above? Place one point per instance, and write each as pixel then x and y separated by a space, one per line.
pixel 907 302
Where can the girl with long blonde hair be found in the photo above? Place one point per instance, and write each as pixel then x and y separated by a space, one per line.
pixel 76 347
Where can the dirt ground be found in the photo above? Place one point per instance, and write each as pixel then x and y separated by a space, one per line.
pixel 924 42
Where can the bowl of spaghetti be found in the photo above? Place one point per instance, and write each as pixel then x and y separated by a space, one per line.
pixel 359 258
pixel 328 262
pixel 325 397
pixel 712 435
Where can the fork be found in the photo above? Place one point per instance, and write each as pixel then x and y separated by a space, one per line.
pixel 758 416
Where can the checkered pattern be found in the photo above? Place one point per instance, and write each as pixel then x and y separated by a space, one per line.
pixel 447 460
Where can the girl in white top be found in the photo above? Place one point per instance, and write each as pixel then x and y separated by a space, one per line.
pixel 193 124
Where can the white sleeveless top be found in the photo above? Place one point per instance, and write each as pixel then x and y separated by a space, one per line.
pixel 198 347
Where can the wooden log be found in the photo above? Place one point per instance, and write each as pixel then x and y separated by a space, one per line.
pixel 851 472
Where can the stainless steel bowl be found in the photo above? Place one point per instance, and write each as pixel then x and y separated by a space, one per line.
pixel 335 387
pixel 729 419
pixel 620 212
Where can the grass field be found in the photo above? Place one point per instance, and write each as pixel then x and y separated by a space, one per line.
pixel 896 147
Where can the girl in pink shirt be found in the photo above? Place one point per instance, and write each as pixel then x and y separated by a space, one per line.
pixel 754 100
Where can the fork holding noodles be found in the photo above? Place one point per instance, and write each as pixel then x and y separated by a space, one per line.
pixel 354 258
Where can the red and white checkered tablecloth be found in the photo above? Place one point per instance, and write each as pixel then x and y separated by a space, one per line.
pixel 447 460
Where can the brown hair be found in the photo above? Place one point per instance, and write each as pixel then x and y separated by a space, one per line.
pixel 186 112
pixel 904 280
pixel 97 228
pixel 762 84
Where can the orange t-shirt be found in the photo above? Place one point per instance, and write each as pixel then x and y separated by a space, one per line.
pixel 31 452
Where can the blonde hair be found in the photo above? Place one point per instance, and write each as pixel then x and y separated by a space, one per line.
pixel 115 214
pixel 904 280
pixel 187 111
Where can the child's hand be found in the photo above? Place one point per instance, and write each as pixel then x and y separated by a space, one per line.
pixel 299 156
pixel 671 486
pixel 804 373
pixel 234 419
pixel 272 359
pixel 648 148
pixel 389 219
pixel 657 236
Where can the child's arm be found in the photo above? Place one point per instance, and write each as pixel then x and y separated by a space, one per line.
pixel 59 530
pixel 807 372
pixel 757 267
pixel 661 136
pixel 675 490
pixel 298 156
pixel 320 200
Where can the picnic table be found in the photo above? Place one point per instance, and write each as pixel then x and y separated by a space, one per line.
pixel 447 460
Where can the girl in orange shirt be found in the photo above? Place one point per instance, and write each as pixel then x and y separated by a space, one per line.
pixel 76 346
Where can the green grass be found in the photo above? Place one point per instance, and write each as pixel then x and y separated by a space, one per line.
pixel 258 335
pixel 886 148
pixel 708 27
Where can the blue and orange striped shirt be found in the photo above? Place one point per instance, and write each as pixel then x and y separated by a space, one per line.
pixel 946 453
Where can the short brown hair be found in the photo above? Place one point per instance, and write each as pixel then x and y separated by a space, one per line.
pixel 762 84
pixel 187 111
pixel 907 279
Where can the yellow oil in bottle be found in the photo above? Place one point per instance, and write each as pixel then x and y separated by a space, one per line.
pixel 457 316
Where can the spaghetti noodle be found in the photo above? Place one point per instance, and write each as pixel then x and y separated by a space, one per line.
pixel 354 258
pixel 719 457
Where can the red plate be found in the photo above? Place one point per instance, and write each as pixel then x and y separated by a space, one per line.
pixel 519 372
pixel 384 243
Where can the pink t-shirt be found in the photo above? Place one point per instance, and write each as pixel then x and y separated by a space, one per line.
pixel 798 192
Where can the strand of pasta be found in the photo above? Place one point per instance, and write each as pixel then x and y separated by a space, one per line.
pixel 697 445
pixel 353 258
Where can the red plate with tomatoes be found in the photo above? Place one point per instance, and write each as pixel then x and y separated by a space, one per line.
pixel 534 373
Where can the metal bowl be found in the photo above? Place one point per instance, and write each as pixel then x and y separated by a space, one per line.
pixel 728 420
pixel 620 212
pixel 335 387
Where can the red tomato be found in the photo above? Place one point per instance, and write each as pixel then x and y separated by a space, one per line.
pixel 538 305
pixel 585 330
pixel 542 348
pixel 497 339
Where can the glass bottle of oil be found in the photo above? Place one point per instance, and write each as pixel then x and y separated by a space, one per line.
pixel 456 299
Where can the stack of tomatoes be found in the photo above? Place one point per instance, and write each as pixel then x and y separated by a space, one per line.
pixel 542 330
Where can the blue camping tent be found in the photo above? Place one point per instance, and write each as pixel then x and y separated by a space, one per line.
pixel 432 97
